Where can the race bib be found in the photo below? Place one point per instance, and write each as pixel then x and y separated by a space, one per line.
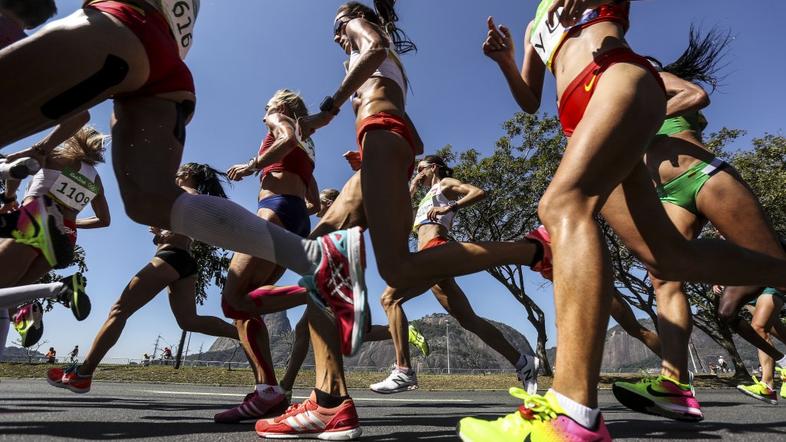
pixel 181 15
pixel 308 146
pixel 73 190
pixel 545 37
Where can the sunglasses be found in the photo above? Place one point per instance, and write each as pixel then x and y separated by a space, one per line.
pixel 339 24
pixel 422 168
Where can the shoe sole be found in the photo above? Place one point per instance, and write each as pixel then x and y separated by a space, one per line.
pixel 398 390
pixel 641 404
pixel 67 387
pixel 356 251
pixel 350 434
pixel 758 397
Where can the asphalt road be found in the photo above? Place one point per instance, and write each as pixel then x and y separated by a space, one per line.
pixel 32 410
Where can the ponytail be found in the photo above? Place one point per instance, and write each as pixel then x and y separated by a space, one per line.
pixel 208 180
pixel 700 63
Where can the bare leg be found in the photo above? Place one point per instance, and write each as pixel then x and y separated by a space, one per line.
pixel 377 333
pixel 15 260
pixel 324 340
pixel 183 304
pixel 144 286
pixel 765 314
pixel 622 313
pixel 298 355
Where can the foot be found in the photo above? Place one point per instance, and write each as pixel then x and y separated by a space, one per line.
pixel 339 283
pixel 545 266
pixel 18 169
pixel 759 390
pixel 782 373
pixel 254 407
pixel 528 373
pixel 311 421
pixel 40 225
pixel 418 340
pixel 661 396
pixel 28 322
pixel 69 379
pixel 539 418
pixel 73 295
pixel 400 379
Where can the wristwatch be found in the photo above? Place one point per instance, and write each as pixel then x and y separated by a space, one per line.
pixel 453 205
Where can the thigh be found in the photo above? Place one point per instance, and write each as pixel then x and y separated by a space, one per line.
pixel 15 260
pixel 765 314
pixel 347 211
pixel 40 76
pixel 146 284
pixel 735 211
pixel 182 297
pixel 146 154
pixel 452 298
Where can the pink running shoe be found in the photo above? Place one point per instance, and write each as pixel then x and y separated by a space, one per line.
pixel 310 421
pixel 254 407
pixel 544 267
pixel 661 396
pixel 339 283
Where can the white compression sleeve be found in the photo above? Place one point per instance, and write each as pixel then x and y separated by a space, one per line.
pixel 14 296
pixel 224 224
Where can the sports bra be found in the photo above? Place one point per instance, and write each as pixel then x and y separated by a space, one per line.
pixel 435 197
pixel 547 39
pixel 694 121
pixel 391 68
pixel 299 160
pixel 71 189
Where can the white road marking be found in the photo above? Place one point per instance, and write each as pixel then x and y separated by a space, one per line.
pixel 368 399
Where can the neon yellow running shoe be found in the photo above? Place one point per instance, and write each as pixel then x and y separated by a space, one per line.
pixel 759 390
pixel 40 226
pixel 782 372
pixel 418 340
pixel 540 418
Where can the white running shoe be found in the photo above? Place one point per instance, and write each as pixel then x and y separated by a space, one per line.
pixel 528 373
pixel 398 381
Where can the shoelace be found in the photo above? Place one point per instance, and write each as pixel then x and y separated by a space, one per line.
pixel 534 408
pixel 766 388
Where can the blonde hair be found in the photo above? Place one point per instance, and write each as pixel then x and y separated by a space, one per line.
pixel 87 145
pixel 292 100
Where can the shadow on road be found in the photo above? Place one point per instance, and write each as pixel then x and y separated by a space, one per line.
pixel 648 429
pixel 116 430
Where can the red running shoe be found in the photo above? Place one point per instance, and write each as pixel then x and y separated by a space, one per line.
pixel 68 378
pixel 339 283
pixel 254 407
pixel 310 421
pixel 545 266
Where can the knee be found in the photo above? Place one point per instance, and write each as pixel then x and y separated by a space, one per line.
pixel 564 207
pixel 395 274
pixel 149 206
pixel 666 290
pixel 727 313
pixel 233 308
pixel 187 324
pixel 760 329
pixel 118 312
pixel 389 302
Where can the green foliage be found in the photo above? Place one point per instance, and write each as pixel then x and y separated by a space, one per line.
pixel 213 264
pixel 52 276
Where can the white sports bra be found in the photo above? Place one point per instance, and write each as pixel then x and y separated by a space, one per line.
pixel 391 68
pixel 72 189
pixel 434 198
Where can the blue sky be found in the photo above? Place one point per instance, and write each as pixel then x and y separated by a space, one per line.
pixel 246 49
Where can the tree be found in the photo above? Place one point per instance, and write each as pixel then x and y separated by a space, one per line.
pixel 53 276
pixel 515 176
pixel 213 264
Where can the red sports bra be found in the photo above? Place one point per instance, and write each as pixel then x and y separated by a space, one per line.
pixel 298 161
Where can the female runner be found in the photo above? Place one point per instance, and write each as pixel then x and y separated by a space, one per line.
pixel 172 267
pixel 611 104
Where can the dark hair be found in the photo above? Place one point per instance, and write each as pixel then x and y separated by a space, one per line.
pixel 700 63
pixel 32 12
pixel 383 15
pixel 329 193
pixel 208 180
pixel 443 171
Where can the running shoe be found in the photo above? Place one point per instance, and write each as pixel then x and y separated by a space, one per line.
pixel 545 266
pixel 661 396
pixel 69 379
pixel 418 340
pixel 759 390
pixel 400 379
pixel 73 295
pixel 339 283
pixel 540 418
pixel 40 225
pixel 28 322
pixel 255 407
pixel 782 373
pixel 18 169
pixel 311 421
pixel 528 373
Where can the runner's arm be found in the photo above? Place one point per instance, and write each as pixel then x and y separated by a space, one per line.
pixel 684 96
pixel 312 197
pixel 526 85
pixel 100 207
pixel 283 130
pixel 373 48
pixel 467 193
pixel 61 133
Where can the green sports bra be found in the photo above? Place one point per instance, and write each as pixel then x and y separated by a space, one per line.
pixel 693 121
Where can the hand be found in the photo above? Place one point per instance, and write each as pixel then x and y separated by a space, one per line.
pixel 436 212
pixel 572 10
pixel 31 152
pixel 717 289
pixel 499 45
pixel 353 158
pixel 239 171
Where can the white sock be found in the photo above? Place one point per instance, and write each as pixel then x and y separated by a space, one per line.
pixel 781 362
pixel 268 391
pixel 222 223
pixel 585 416
pixel 5 324
pixel 14 296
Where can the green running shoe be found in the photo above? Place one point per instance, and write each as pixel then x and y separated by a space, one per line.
pixel 759 390
pixel 661 396
pixel 782 372
pixel 418 340
pixel 73 295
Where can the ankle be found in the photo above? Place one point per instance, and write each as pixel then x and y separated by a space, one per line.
pixel 328 400
pixel 583 415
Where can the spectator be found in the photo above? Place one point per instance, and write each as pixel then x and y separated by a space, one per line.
pixel 146 360
pixel 722 365
pixel 51 356
pixel 74 353
pixel 167 355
